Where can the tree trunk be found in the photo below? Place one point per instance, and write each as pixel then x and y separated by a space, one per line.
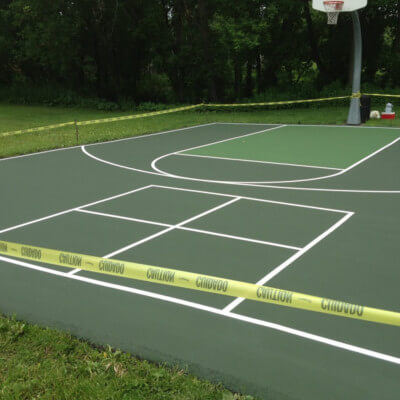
pixel 249 78
pixel 396 42
pixel 258 73
pixel 205 39
pixel 238 79
pixel 311 39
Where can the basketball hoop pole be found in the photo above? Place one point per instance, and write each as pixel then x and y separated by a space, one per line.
pixel 354 117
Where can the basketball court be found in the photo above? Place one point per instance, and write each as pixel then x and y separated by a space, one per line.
pixel 315 212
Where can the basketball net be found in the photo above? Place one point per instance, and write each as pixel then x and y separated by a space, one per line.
pixel 333 8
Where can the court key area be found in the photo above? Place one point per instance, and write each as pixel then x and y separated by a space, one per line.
pixel 310 209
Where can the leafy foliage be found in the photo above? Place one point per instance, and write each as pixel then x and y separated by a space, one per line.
pixel 60 51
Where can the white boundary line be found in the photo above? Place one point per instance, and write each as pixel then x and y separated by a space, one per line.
pixel 316 125
pixel 230 307
pixel 341 172
pixel 257 161
pixel 202 231
pixel 277 327
pixel 143 171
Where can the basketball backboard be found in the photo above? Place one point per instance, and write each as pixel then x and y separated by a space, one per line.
pixel 348 5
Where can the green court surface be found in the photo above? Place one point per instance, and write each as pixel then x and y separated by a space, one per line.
pixel 305 208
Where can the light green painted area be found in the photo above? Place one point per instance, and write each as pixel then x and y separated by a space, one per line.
pixel 332 147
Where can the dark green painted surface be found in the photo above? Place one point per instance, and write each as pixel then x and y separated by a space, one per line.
pixel 245 357
pixel 309 145
pixel 81 233
pixel 161 205
pixel 278 223
pixel 195 252
pixel 359 262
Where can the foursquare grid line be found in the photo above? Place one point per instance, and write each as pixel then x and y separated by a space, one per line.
pixel 283 203
pixel 164 231
pixel 122 217
pixel 235 303
pixel 185 228
pixel 186 221
pixel 180 226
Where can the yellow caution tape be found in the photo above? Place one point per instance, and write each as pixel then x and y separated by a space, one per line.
pixel 168 111
pixel 199 282
pixel 382 95
pixel 38 129
pixel 186 108
pixel 99 121
pixel 135 116
pixel 272 103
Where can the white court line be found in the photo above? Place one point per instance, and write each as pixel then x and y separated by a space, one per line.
pixel 202 231
pixel 254 199
pixel 270 325
pixel 311 125
pixel 143 221
pixel 341 172
pixel 264 186
pixel 231 306
pixel 258 161
pixel 232 138
pixel 73 209
pixel 241 238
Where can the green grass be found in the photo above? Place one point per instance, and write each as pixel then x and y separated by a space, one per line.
pixel 37 363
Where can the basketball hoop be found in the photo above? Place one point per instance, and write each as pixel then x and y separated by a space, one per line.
pixel 333 8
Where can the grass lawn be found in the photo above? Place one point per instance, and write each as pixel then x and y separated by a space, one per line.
pixel 37 363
